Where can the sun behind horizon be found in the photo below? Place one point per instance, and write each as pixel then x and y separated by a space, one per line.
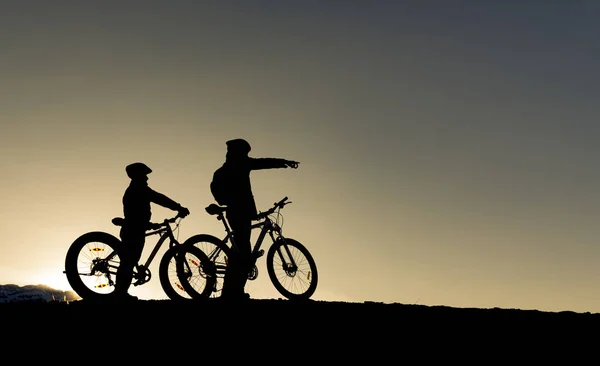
pixel 55 279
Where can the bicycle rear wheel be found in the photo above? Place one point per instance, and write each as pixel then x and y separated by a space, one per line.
pixel 292 269
pixel 186 273
pixel 89 272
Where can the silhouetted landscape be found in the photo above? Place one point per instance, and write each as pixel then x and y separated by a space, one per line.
pixel 34 293
pixel 343 329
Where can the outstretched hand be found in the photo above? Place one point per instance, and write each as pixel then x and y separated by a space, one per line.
pixel 292 164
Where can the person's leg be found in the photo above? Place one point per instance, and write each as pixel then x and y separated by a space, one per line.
pixel 236 273
pixel 244 254
pixel 133 245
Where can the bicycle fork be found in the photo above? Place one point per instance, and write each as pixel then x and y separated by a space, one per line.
pixel 289 265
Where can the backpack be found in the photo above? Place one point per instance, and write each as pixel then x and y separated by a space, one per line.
pixel 219 186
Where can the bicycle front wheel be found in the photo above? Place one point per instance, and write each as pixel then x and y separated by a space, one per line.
pixel 186 273
pixel 292 269
pixel 91 266
pixel 217 252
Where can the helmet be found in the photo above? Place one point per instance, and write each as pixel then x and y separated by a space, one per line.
pixel 239 146
pixel 137 169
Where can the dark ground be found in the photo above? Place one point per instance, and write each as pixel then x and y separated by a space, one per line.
pixel 287 331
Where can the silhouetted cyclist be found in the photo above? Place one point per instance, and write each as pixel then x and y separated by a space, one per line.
pixel 241 210
pixel 137 214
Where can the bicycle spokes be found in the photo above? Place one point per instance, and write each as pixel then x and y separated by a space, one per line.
pixel 292 269
pixel 97 264
pixel 292 262
pixel 189 272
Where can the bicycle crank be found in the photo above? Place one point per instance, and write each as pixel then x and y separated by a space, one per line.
pixel 141 275
pixel 253 273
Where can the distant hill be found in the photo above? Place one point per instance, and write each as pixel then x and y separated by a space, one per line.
pixel 34 293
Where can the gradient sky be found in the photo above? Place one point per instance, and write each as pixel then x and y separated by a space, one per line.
pixel 448 149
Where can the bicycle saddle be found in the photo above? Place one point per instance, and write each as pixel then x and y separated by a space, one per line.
pixel 119 221
pixel 214 209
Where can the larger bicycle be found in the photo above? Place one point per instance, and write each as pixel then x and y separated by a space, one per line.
pixel 290 265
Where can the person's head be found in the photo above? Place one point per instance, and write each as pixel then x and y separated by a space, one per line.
pixel 238 147
pixel 138 171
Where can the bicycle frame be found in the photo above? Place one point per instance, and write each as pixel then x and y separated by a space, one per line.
pixel 164 231
pixel 266 226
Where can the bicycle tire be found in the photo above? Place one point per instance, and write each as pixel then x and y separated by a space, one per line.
pixel 217 252
pixel 186 273
pixel 299 284
pixel 81 256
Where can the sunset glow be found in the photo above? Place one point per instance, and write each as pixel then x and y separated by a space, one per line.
pixel 448 150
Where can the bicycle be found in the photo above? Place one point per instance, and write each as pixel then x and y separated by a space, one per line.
pixel 93 258
pixel 290 266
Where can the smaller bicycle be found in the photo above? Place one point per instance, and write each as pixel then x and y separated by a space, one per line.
pixel 291 267
pixel 93 258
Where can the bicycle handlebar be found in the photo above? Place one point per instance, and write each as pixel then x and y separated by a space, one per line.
pixel 282 202
pixel 276 205
pixel 158 225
